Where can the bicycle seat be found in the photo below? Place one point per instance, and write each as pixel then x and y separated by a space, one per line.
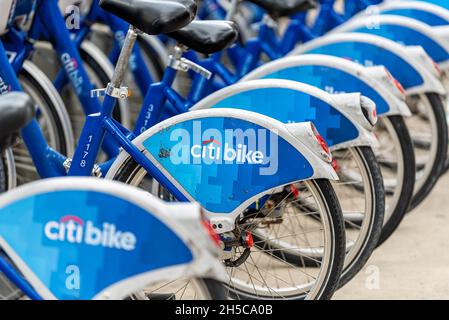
pixel 284 8
pixel 207 36
pixel 16 111
pixel 153 16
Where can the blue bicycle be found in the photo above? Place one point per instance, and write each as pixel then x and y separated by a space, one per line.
pixel 259 197
pixel 364 237
pixel 70 246
pixel 425 96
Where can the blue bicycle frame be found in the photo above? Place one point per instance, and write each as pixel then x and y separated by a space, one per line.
pixel 119 29
pixel 159 98
pixel 49 163
pixel 49 24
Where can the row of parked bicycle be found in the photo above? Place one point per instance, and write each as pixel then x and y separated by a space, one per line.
pixel 305 130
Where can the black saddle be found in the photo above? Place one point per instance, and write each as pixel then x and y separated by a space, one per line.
pixel 284 8
pixel 153 16
pixel 207 36
pixel 16 111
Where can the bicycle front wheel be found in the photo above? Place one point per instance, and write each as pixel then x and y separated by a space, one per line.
pixel 429 132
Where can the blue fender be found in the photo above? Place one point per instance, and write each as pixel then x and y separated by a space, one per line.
pixel 372 50
pixel 403 30
pixel 441 3
pixel 75 242
pixel 334 75
pixel 424 16
pixel 220 181
pixel 293 102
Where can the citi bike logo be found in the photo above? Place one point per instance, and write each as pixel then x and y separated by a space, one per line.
pixel 73 229
pixel 71 67
pixel 224 147
pixel 213 149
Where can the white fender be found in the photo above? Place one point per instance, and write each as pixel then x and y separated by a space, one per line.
pixel 353 104
pixel 10 165
pixel 431 83
pixel 441 32
pixel 376 77
pixel 340 102
pixel 183 218
pixel 419 5
pixel 322 168
pixel 421 55
pixel 437 34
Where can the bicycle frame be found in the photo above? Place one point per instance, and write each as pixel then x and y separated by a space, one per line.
pixel 158 94
pixel 119 29
pixel 50 163
pixel 101 123
pixel 49 24
pixel 246 58
pixel 267 42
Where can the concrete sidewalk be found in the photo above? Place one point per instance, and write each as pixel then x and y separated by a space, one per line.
pixel 414 262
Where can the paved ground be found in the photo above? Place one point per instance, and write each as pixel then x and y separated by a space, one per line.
pixel 414 262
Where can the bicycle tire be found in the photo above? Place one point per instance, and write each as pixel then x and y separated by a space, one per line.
pixel 400 131
pixel 439 115
pixel 338 238
pixel 2 175
pixel 43 93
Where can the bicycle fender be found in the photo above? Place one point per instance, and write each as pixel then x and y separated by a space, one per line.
pixel 103 232
pixel 252 155
pixel 403 30
pixel 439 3
pixel 338 118
pixel 336 75
pixel 430 13
pixel 372 50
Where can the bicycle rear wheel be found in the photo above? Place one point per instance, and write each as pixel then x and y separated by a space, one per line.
pixel 51 116
pixel 298 248
pixel 395 156
pixel 279 279
pixel 3 175
pixel 429 132
pixel 362 197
